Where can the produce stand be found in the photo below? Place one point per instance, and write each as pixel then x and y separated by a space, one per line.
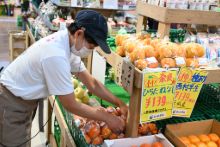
pixel 166 16
pixel 134 109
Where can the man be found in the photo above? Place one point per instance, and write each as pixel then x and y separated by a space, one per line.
pixel 45 69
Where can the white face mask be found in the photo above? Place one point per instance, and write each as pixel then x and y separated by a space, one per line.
pixel 83 52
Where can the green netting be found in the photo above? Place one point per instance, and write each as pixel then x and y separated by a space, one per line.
pixel 74 130
pixel 57 132
pixel 196 116
pixel 210 94
pixel 176 35
pixel 116 90
pixel 207 107
pixel 111 43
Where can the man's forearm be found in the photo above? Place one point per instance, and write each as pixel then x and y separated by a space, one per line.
pixel 102 92
pixel 98 88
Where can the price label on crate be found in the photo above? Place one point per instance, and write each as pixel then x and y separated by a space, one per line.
pixel 188 87
pixel 158 91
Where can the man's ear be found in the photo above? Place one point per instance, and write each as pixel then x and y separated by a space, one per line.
pixel 79 33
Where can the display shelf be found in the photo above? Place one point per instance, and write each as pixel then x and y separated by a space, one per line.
pixel 31 37
pixel 134 110
pixel 66 139
pixel 17 43
pixel 68 4
pixel 114 58
pixel 212 77
pixel 166 16
pixel 105 11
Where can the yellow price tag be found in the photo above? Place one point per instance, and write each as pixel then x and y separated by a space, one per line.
pixel 158 91
pixel 188 87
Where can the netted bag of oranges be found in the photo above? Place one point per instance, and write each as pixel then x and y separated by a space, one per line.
pixel 120 38
pixel 130 45
pixel 120 50
pixel 193 50
pixel 168 50
pixel 136 55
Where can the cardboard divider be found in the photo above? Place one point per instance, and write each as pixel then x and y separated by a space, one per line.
pixel 127 76
pixel 173 132
pixel 128 142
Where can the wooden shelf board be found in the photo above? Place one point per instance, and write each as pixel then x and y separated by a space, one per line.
pixel 110 58
pixel 30 34
pixel 213 76
pixel 68 4
pixel 167 15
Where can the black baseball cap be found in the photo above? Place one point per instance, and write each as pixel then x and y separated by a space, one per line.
pixel 95 26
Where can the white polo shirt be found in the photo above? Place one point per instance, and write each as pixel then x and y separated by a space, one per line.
pixel 43 69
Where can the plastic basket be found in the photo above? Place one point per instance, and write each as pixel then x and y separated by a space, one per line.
pixel 210 94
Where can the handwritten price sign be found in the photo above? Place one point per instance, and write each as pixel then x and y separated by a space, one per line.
pixel 158 91
pixel 188 88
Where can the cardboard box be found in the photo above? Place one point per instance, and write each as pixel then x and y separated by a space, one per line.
pixel 128 142
pixel 172 132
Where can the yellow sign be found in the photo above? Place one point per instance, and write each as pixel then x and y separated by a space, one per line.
pixel 188 87
pixel 158 91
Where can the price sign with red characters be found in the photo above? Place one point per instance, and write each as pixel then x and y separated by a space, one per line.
pixel 188 87
pixel 158 91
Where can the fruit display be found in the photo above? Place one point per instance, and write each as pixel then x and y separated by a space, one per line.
pixel 162 53
pixel 95 132
pixel 202 140
pixel 147 128
pixel 81 94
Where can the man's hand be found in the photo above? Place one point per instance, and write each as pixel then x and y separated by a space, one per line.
pixel 123 107
pixel 116 124
pixel 99 90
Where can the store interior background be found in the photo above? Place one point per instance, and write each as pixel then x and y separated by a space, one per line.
pixel 6 25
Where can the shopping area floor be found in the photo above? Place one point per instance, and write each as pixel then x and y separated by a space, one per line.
pixel 7 24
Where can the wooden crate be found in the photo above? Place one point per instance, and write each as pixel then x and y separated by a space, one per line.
pixel 135 100
pixel 17 44
pixel 166 16
pixel 30 37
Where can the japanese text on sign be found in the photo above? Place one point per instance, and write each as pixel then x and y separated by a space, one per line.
pixel 188 88
pixel 157 95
